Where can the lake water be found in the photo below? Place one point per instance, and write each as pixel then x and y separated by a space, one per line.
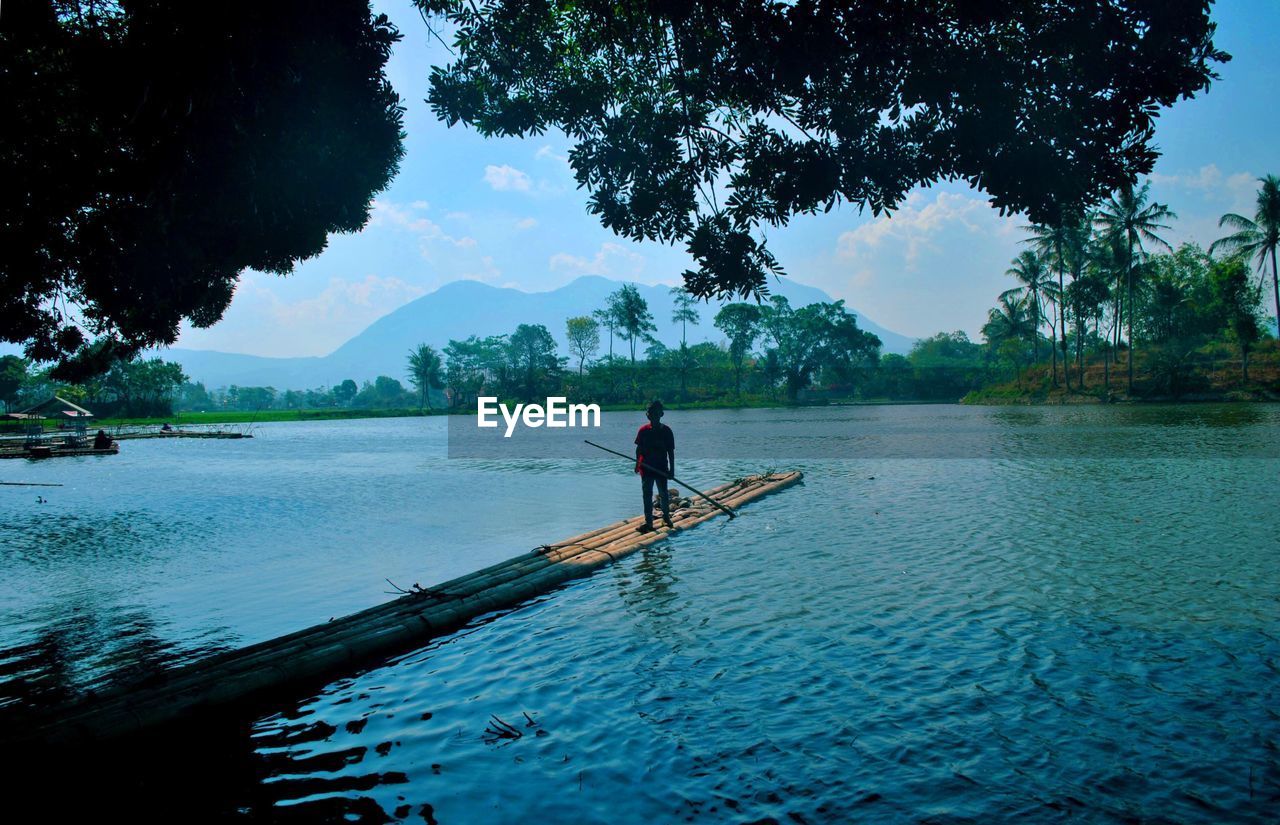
pixel 1039 634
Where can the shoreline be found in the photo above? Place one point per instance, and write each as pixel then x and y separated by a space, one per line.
pixel 239 417
pixel 1061 398
pixel 236 418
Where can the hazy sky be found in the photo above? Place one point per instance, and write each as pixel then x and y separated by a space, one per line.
pixel 507 212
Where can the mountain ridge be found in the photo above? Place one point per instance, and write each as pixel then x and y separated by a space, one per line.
pixel 469 307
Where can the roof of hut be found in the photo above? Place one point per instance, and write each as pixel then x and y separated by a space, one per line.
pixel 54 407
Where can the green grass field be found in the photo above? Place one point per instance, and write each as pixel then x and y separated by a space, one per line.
pixel 190 419
pixel 246 417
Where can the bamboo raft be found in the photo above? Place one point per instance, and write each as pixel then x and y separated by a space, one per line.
pixel 56 451
pixel 238 678
pixel 182 434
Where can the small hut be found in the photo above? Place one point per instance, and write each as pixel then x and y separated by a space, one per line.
pixel 57 409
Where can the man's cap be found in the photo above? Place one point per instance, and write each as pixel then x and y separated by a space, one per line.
pixel 655 407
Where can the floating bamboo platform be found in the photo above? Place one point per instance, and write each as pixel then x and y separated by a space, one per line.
pixel 236 679
pixel 182 434
pixel 56 451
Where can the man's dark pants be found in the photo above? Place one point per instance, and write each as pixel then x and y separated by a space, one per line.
pixel 647 481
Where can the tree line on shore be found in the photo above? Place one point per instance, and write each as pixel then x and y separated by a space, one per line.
pixel 1107 297
pixel 1096 279
pixel 615 358
pixel 155 388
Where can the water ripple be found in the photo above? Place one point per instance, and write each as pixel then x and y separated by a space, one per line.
pixel 894 641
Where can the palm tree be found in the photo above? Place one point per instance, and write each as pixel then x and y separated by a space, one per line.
pixel 1063 244
pixel 1108 255
pixel 1010 322
pixel 425 370
pixel 1029 269
pixel 1051 244
pixel 1128 215
pixel 1076 251
pixel 1258 237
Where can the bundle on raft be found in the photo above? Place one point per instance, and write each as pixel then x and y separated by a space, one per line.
pixel 237 678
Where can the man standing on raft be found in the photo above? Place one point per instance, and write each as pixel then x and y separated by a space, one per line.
pixel 655 462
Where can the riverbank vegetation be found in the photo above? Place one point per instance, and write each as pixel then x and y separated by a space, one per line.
pixel 1101 308
pixel 1129 316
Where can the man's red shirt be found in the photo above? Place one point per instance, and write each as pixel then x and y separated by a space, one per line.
pixel 655 444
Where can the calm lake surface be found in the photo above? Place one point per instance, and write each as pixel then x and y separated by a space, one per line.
pixel 1041 634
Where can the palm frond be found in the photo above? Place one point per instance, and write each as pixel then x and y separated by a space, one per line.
pixel 1239 222
pixel 1154 239
pixel 1268 214
pixel 1242 243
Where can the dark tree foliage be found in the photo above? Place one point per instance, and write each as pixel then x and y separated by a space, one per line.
pixel 13 372
pixel 707 121
pixel 153 150
pixel 534 364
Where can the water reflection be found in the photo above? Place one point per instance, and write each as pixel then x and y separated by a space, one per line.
pixel 896 641
pixel 79 646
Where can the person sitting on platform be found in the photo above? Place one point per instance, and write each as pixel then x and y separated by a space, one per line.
pixel 102 441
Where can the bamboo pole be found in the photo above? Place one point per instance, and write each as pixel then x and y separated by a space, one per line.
pixel 671 476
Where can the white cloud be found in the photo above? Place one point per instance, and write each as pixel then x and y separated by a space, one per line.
pixel 917 228
pixel 936 263
pixel 507 179
pixel 353 302
pixel 405 218
pixel 488 272
pixel 1210 180
pixel 390 213
pixel 611 260
pixel 260 321
pixel 546 152
pixel 1200 198
pixel 526 223
pixel 399 216
pixel 423 205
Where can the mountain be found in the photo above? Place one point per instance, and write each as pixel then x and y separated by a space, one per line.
pixel 463 308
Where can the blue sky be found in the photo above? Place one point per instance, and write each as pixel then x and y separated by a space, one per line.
pixel 507 212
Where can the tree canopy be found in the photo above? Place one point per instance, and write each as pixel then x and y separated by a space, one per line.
pixel 1259 237
pixel 705 122
pixel 805 339
pixel 426 370
pixel 632 315
pixel 154 150
pixel 583 335
pixel 532 353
